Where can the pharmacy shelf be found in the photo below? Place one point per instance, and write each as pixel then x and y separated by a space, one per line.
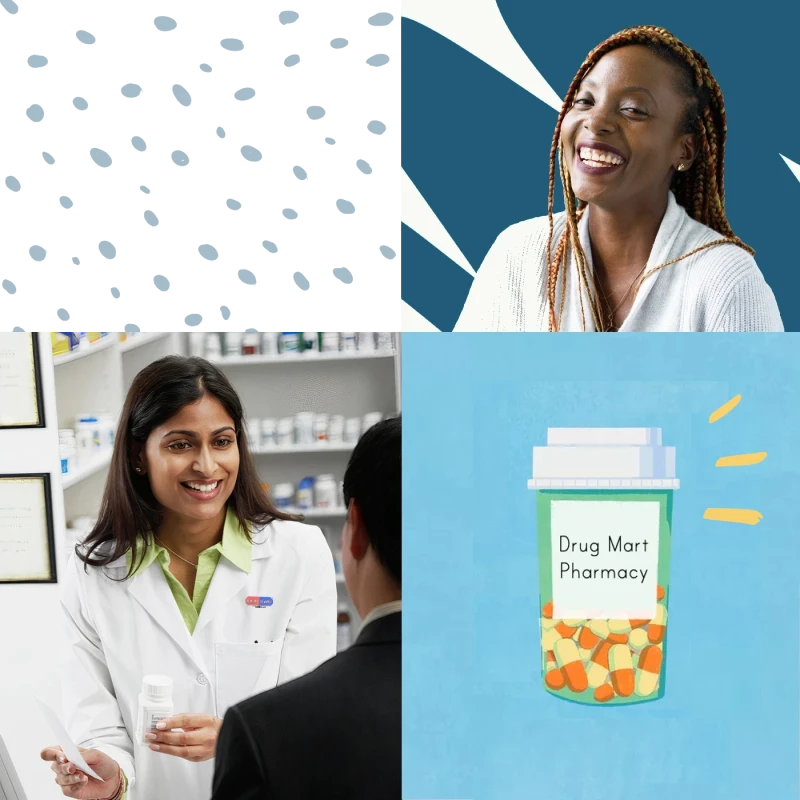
pixel 339 577
pixel 304 448
pixel 139 339
pixel 312 357
pixel 312 513
pixel 81 473
pixel 87 350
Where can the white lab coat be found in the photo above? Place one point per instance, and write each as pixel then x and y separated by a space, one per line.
pixel 120 631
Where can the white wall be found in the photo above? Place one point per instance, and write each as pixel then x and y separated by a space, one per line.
pixel 30 614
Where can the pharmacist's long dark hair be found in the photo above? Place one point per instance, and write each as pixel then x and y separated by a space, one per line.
pixel 129 507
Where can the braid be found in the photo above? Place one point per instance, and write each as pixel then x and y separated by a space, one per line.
pixel 700 190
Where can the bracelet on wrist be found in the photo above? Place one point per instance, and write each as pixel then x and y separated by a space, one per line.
pixel 120 786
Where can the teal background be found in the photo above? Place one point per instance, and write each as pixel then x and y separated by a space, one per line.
pixel 477 723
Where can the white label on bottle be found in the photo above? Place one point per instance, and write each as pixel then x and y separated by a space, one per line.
pixel 605 558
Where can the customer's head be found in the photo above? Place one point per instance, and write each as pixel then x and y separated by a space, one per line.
pixel 371 550
pixel 649 102
pixel 180 453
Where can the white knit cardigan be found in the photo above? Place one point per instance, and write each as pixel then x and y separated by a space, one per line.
pixel 718 289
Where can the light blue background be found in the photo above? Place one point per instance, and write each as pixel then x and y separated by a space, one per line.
pixel 477 723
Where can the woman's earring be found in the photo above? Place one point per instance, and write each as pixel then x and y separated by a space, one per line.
pixel 681 167
pixel 138 469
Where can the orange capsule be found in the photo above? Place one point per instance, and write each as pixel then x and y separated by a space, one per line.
pixel 569 660
pixel 649 669
pixel 587 640
pixel 660 593
pixel 547 610
pixel 618 638
pixel 565 630
pixel 603 693
pixel 597 671
pixel 658 625
pixel 621 669
pixel 639 623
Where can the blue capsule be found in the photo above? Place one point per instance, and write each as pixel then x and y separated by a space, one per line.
pixel 249 152
pixel 377 127
pixel 207 252
pixel 343 275
pixel 377 60
pixel 288 16
pixel 85 37
pixel 37 253
pixel 345 206
pixel 183 97
pixel 36 61
pixel 363 166
pixel 161 282
pixel 270 246
pixel 107 249
pixel 301 281
pixel 100 157
pixel 245 94
pixel 131 90
pixel 247 276
pixel 380 19
pixel 180 158
pixel 316 112
pixel 165 24
pixel 35 112
pixel 233 44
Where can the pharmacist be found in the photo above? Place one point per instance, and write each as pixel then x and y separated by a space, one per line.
pixel 190 573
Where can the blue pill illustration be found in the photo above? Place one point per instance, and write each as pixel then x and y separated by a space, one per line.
pixel 270 246
pixel 107 249
pixel 85 37
pixel 100 157
pixel 180 158
pixel 316 112
pixel 207 252
pixel 247 276
pixel 131 90
pixel 251 153
pixel 345 206
pixel 36 61
pixel 37 253
pixel 35 112
pixel 165 24
pixel 233 44
pixel 244 94
pixel 183 97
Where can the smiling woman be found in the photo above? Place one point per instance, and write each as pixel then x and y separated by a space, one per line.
pixel 644 243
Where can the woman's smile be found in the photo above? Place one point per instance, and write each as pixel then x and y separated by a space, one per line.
pixel 596 158
pixel 202 490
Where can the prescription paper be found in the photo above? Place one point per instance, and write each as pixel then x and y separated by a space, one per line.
pixel 62 737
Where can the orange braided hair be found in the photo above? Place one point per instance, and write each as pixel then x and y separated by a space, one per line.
pixel 700 190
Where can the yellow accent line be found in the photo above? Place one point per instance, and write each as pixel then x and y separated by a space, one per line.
pixel 725 409
pixel 744 515
pixel 741 460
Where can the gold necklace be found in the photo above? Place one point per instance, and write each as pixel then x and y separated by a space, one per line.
pixel 174 553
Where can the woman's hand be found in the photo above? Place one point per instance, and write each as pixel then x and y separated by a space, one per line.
pixel 77 784
pixel 197 741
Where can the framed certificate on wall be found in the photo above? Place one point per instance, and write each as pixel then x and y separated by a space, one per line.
pixel 27 539
pixel 21 403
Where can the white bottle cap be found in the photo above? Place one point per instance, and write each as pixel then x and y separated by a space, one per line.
pixel 157 687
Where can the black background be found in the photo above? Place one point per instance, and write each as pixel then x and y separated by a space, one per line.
pixel 191 206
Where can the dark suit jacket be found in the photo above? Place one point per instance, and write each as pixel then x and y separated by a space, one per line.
pixel 334 733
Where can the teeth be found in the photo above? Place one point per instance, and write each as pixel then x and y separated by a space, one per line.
pixel 605 158
pixel 199 487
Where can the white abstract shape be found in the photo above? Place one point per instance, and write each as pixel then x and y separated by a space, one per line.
pixel 479 27
pixel 413 322
pixel 419 216
pixel 795 168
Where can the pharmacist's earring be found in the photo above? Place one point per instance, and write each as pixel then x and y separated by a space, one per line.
pixel 681 167
pixel 138 469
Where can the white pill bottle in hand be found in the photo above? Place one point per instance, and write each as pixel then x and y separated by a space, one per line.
pixel 155 704
pixel 604 518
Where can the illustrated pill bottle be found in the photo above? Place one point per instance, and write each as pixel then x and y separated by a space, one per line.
pixel 155 704
pixel 604 526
